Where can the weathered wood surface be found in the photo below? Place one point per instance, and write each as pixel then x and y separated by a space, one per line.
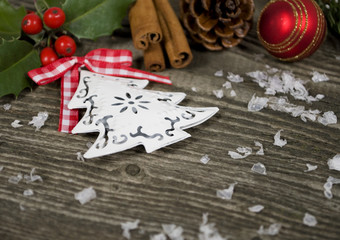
pixel 171 185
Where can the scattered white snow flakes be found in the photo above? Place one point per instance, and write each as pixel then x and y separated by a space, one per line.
pixel 227 193
pixel 310 167
pixel 205 159
pixel 260 145
pixel 126 227
pixel 278 141
pixel 208 231
pixel 159 236
pixel 272 230
pixel 218 73
pixel 232 93
pixel 39 120
pixel 88 145
pixel 257 103
pixel 22 208
pixel 86 195
pixel 227 85
pixel 173 232
pixel 234 78
pixel 194 89
pixel 328 118
pixel 259 168
pixel 318 77
pixel 328 186
pixel 7 106
pixel 256 208
pixel 309 220
pixel 334 163
pixel 16 124
pixel 218 93
pixel 15 179
pixel 28 192
pixel 237 155
pixel 32 178
pixel 80 157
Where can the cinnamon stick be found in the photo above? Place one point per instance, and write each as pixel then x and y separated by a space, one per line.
pixel 145 28
pixel 174 39
pixel 154 58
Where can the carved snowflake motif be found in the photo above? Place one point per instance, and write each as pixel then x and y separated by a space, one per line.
pixel 131 102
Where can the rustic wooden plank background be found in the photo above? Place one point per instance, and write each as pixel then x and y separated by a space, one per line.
pixel 171 185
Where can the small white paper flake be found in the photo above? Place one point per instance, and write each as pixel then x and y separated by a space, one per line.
pixel 32 178
pixel 159 236
pixel 218 73
pixel 257 103
pixel 16 124
pixel 232 93
pixel 194 89
pixel 86 195
pixel 28 192
pixel 15 179
pixel 237 155
pixel 309 220
pixel 22 208
pixel 7 106
pixel 318 77
pixel 334 163
pixel 234 78
pixel 256 208
pixel 80 157
pixel 260 145
pixel 205 159
pixel 39 120
pixel 227 193
pixel 328 186
pixel 218 93
pixel 272 230
pixel 227 85
pixel 126 227
pixel 328 118
pixel 208 231
pixel 173 232
pixel 278 141
pixel 310 167
pixel 259 168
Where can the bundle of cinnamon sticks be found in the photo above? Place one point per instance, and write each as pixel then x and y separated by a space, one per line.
pixel 155 29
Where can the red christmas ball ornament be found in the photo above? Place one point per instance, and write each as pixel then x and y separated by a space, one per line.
pixel 291 29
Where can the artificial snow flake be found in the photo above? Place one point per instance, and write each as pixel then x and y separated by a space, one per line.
pixel 28 192
pixel 334 163
pixel 218 93
pixel 328 118
pixel 159 236
pixel 80 156
pixel 257 103
pixel 173 232
pixel 16 124
pixel 194 89
pixel 309 220
pixel 310 167
pixel 232 93
pixel 39 120
pixel 256 208
pixel 259 168
pixel 22 208
pixel 128 116
pixel 32 178
pixel 227 193
pixel 237 155
pixel 127 226
pixel 272 230
pixel 86 195
pixel 88 145
pixel 218 73
pixel 205 159
pixel 318 77
pixel 208 231
pixel 260 145
pixel 234 78
pixel 7 106
pixel 227 85
pixel 328 186
pixel 15 179
pixel 278 141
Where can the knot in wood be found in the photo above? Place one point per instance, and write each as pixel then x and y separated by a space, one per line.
pixel 132 169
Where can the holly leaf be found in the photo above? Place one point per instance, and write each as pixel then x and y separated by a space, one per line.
pixel 95 18
pixel 43 5
pixel 10 20
pixel 16 59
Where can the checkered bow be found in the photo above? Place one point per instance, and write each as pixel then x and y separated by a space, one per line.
pixel 102 61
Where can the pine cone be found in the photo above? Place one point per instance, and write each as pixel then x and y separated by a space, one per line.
pixel 217 24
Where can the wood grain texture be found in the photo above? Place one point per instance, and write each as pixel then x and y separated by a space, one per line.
pixel 171 185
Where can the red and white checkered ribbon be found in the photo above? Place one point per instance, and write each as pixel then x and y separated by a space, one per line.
pixel 102 61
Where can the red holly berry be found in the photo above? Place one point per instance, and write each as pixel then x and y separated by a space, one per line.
pixel 47 56
pixel 65 46
pixel 31 24
pixel 54 17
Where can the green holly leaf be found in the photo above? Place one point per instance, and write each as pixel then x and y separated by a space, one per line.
pixel 42 5
pixel 16 59
pixel 95 18
pixel 10 21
